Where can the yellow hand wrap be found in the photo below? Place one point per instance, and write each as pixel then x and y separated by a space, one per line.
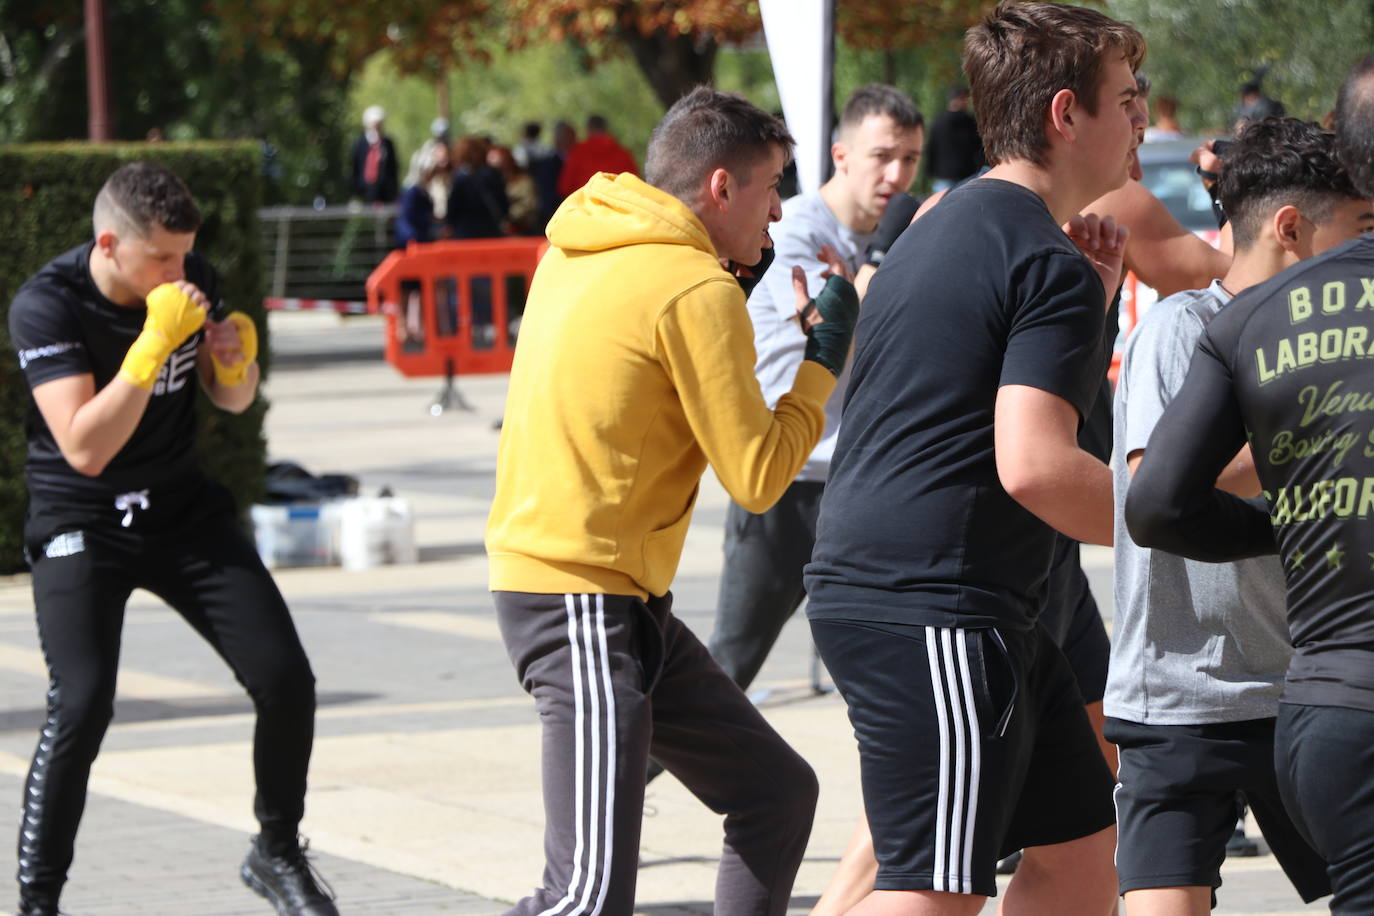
pixel 236 373
pixel 173 316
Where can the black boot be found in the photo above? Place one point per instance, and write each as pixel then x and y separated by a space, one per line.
pixel 30 907
pixel 289 882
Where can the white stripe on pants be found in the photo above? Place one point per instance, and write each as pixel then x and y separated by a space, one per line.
pixel 590 666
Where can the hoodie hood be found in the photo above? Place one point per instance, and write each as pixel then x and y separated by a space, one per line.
pixel 612 211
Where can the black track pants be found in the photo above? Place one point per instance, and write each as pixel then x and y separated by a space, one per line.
pixel 616 679
pixel 212 576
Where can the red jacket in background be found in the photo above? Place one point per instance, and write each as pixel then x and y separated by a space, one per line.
pixel 597 153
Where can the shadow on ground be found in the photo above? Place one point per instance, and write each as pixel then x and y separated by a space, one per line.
pixel 131 711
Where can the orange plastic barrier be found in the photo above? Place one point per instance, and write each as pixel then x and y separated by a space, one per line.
pixel 454 307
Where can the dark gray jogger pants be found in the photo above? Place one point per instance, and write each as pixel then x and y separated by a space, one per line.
pixel 616 679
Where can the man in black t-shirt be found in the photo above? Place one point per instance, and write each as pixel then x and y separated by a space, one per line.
pixel 112 338
pixel 1287 367
pixel 977 356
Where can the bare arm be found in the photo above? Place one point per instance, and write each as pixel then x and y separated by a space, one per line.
pixel 90 427
pixel 1041 466
pixel 1162 253
pixel 1238 477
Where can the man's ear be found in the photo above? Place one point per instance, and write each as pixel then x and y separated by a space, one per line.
pixel 720 188
pixel 106 241
pixel 1286 225
pixel 1064 108
pixel 839 154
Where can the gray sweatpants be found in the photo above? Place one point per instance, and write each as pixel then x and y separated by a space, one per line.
pixel 616 679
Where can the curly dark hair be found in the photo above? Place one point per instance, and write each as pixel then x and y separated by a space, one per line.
pixel 141 195
pixel 1279 161
pixel 1355 125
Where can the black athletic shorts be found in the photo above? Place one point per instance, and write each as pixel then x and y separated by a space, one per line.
pixel 1176 804
pixel 1071 615
pixel 1324 757
pixel 973 743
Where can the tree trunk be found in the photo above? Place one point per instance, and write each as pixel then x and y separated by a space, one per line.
pixel 673 64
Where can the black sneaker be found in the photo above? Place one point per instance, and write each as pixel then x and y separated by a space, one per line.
pixel 289 882
pixel 32 908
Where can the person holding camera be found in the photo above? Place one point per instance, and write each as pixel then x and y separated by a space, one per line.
pixel 113 337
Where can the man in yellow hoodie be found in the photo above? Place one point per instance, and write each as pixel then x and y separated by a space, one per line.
pixel 634 371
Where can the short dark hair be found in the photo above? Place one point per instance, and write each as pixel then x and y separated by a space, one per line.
pixel 880 99
pixel 1275 162
pixel 597 122
pixel 1355 125
pixel 532 130
pixel 1021 54
pixel 142 195
pixel 707 130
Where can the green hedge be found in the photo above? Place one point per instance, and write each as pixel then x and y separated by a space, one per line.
pixel 46 196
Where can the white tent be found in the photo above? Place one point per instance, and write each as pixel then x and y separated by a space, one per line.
pixel 800 36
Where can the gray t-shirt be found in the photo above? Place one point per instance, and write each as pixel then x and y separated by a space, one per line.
pixel 779 343
pixel 1192 642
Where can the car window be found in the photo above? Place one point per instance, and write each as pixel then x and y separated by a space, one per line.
pixel 1176 184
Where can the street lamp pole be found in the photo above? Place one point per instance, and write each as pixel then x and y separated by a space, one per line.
pixel 97 73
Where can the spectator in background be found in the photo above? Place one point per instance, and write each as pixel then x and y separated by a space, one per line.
pixel 529 150
pixel 435 151
pixel 375 178
pixel 1254 105
pixel 1166 126
pixel 522 213
pixel 545 171
pixel 953 150
pixel 599 152
pixel 415 221
pixel 477 204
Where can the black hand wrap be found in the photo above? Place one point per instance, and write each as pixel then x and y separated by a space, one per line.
pixel 900 209
pixel 755 271
pixel 828 342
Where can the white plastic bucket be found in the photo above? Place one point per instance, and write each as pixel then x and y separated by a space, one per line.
pixel 376 531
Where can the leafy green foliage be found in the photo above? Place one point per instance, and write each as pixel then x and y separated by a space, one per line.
pixel 47 198
pixel 173 69
pixel 1201 53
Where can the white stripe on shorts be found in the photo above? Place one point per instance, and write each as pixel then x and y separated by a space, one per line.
pixel 960 759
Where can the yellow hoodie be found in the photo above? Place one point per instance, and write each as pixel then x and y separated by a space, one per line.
pixel 634 369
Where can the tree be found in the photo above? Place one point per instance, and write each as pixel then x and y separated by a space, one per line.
pixel 171 68
pixel 1201 53
pixel 674 42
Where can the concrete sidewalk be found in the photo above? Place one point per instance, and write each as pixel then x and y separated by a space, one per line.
pixel 424 785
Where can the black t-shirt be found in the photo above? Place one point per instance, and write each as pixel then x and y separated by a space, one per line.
pixel 915 527
pixel 61 326
pixel 1290 365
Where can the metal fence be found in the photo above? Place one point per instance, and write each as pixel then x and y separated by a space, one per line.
pixel 326 253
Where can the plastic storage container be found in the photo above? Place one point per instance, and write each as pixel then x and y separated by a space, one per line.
pixel 299 534
pixel 376 531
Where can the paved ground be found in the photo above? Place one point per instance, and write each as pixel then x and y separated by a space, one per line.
pixel 424 791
